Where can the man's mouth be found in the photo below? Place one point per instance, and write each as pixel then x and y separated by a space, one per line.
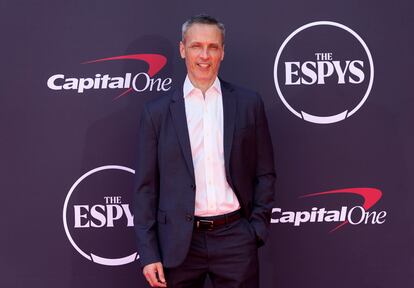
pixel 203 65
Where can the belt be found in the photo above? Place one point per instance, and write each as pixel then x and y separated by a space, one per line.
pixel 213 222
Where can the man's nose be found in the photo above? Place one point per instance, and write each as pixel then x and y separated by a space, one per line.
pixel 204 53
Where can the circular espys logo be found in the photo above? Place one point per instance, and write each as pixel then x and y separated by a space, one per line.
pixel 323 72
pixel 97 218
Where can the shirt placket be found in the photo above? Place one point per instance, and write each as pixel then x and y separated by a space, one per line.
pixel 208 147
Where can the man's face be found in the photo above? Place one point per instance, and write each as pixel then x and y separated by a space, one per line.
pixel 203 50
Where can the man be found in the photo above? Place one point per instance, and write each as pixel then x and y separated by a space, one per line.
pixel 205 175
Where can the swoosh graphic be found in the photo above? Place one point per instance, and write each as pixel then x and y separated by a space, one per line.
pixel 370 195
pixel 155 63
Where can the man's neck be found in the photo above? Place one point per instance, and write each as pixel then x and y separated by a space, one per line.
pixel 203 86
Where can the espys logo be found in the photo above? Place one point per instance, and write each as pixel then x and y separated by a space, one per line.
pixel 143 81
pixel 323 72
pixel 97 217
pixel 356 215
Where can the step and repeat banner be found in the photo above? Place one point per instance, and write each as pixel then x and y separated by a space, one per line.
pixel 336 79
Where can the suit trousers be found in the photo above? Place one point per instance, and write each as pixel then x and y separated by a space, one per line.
pixel 227 254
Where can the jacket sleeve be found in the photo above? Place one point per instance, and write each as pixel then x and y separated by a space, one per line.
pixel 264 186
pixel 146 191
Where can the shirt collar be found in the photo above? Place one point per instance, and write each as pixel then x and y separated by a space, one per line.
pixel 189 87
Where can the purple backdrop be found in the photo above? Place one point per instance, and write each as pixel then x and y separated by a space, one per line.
pixel 335 77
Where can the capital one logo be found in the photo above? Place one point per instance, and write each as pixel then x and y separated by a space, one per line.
pixel 139 82
pixel 323 72
pixel 97 217
pixel 355 215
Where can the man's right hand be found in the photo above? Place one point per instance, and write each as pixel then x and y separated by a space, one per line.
pixel 154 273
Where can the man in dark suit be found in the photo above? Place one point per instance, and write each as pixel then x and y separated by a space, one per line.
pixel 205 174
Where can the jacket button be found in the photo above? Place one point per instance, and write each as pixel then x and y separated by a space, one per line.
pixel 189 217
pixel 193 187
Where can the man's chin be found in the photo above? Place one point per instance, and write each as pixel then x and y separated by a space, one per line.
pixel 205 77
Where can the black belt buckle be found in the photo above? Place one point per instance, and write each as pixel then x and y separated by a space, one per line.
pixel 205 224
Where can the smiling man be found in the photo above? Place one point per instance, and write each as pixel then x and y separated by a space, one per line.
pixel 205 174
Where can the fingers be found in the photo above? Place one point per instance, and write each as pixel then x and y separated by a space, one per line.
pixel 150 274
pixel 161 276
pixel 154 273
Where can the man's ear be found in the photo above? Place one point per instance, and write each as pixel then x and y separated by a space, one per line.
pixel 222 56
pixel 182 50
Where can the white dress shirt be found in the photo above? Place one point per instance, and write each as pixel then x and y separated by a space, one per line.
pixel 204 115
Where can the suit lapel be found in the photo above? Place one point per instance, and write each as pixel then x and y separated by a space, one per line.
pixel 177 109
pixel 229 119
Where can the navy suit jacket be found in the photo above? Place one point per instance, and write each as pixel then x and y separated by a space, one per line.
pixel 164 193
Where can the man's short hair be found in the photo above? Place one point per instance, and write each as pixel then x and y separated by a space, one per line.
pixel 203 19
